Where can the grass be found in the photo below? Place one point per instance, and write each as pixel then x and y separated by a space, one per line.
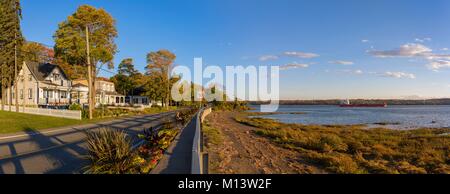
pixel 213 135
pixel 357 150
pixel 12 122
pixel 110 153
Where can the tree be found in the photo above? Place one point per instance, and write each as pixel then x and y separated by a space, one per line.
pixel 33 51
pixel 126 81
pixel 159 63
pixel 152 87
pixel 85 38
pixel 70 39
pixel 126 67
pixel 11 41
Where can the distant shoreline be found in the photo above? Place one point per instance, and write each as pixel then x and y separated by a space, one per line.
pixel 443 101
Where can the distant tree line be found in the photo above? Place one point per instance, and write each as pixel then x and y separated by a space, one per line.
pixel 443 101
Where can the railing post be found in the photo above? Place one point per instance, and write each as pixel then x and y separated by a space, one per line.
pixel 205 158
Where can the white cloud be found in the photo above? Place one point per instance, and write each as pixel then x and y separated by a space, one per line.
pixel 294 66
pixel 438 64
pixel 268 57
pixel 399 75
pixel 422 40
pixel 435 61
pixel 301 54
pixel 340 62
pixel 365 41
pixel 358 72
pixel 406 50
pixel 444 49
pixel 353 72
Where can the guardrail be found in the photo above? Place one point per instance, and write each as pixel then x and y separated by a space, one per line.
pixel 199 163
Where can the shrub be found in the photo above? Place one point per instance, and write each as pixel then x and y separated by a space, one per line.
pixel 407 168
pixel 330 142
pixel 185 116
pixel 75 106
pixel 337 163
pixel 109 152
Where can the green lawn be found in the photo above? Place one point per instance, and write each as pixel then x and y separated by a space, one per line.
pixel 11 122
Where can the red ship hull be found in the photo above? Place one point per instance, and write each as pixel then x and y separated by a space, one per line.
pixel 363 105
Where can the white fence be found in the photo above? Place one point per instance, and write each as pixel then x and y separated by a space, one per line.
pixel 70 114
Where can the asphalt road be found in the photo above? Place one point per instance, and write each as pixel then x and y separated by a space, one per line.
pixel 62 150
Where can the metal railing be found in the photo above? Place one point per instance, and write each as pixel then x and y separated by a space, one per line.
pixel 199 163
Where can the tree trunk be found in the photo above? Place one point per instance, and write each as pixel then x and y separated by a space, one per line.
pixel 2 89
pixel 10 94
pixel 3 96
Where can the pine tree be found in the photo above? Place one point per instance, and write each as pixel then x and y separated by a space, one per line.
pixel 11 41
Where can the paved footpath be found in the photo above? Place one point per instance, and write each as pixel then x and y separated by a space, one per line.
pixel 62 150
pixel 177 159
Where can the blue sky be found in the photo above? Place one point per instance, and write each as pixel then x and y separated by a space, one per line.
pixel 328 49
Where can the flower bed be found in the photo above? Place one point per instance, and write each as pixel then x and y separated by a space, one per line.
pixel 158 141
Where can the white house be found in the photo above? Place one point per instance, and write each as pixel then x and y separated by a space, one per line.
pixel 41 84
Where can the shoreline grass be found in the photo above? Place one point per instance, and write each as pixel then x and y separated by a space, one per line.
pixel 356 150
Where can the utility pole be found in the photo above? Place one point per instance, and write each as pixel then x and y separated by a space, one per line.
pixel 168 88
pixel 16 88
pixel 90 80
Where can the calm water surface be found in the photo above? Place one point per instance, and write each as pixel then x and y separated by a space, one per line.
pixel 400 117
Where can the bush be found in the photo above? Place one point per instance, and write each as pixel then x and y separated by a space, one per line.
pixel 109 152
pixel 75 106
pixel 186 115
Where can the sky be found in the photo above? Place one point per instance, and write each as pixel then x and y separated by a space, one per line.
pixel 326 49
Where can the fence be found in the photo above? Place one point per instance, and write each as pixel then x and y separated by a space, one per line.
pixel 70 114
pixel 199 158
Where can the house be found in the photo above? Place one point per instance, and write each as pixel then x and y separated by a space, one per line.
pixel 138 100
pixel 41 84
pixel 80 91
pixel 105 92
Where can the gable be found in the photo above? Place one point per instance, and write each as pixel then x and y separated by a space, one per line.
pixel 59 71
pixel 42 71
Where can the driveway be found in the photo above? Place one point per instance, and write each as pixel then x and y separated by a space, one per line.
pixel 62 150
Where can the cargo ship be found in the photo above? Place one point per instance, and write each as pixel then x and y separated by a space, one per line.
pixel 347 104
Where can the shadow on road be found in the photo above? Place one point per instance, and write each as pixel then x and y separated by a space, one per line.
pixel 62 152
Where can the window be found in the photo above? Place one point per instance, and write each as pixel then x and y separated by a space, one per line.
pixel 62 82
pixel 50 94
pixel 21 93
pixel 30 93
pixel 63 94
pixel 30 77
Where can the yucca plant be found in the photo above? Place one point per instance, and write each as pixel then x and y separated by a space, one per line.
pixel 109 152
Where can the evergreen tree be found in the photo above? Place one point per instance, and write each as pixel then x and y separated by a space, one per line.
pixel 11 41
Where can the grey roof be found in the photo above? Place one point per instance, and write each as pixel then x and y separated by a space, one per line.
pixel 43 70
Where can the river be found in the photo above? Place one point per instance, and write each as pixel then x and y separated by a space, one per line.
pixel 395 117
